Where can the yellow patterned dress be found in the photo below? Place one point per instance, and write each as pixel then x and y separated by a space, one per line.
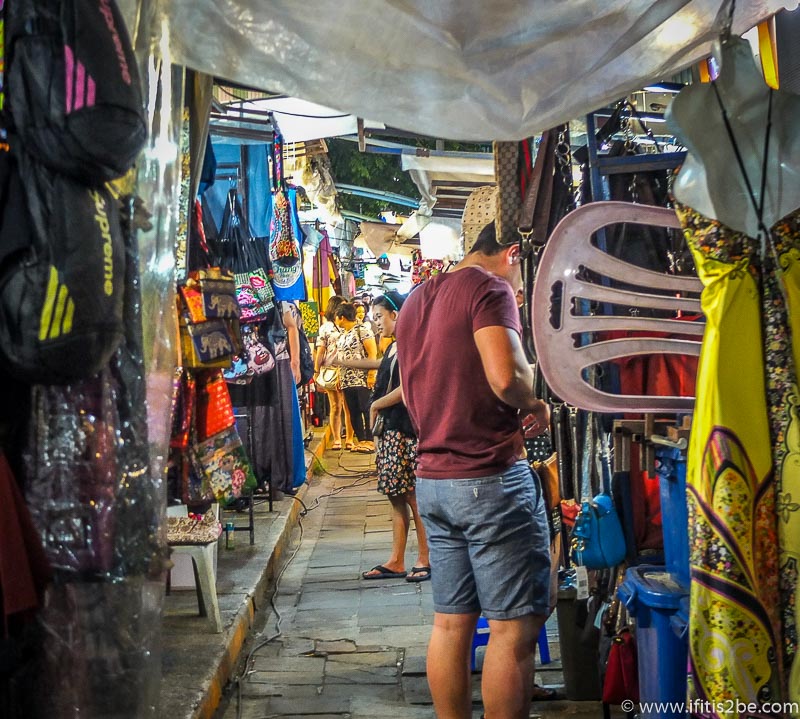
pixel 743 471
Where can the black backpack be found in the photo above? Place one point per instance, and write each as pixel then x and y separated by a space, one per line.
pixel 73 93
pixel 306 360
pixel 62 270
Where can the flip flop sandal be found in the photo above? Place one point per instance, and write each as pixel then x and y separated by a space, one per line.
pixel 424 574
pixel 384 573
pixel 361 449
pixel 336 446
pixel 349 445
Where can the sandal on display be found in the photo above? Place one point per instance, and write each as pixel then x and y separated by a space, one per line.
pixel 382 573
pixel 419 574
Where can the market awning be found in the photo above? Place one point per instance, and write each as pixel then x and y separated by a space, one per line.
pixel 453 68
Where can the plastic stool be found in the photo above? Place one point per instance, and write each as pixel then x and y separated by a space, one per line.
pixel 481 639
pixel 203 559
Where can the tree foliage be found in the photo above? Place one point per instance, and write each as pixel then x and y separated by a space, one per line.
pixel 381 172
pixel 366 169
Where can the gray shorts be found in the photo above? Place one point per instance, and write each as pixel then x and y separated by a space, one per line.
pixel 489 543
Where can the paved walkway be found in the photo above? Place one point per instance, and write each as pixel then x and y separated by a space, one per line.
pixel 349 648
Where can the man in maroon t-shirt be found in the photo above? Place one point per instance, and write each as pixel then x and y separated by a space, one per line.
pixel 465 379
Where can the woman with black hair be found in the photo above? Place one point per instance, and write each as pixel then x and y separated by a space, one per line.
pixel 397 450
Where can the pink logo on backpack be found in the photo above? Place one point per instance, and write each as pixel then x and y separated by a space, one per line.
pixel 108 14
pixel 80 86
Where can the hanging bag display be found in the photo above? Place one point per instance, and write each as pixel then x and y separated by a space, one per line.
pixel 548 476
pixel 208 319
pixel 598 541
pixel 328 379
pixel 254 360
pixel 183 404
pixel 223 464
pixel 306 359
pixel 72 86
pixel 621 683
pixel 62 270
pixel 214 407
pixel 245 255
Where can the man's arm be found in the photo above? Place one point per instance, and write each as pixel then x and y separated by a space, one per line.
pixel 507 370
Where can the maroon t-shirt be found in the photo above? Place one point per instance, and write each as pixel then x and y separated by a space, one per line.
pixel 464 429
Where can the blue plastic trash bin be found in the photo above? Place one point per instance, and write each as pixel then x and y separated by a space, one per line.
pixel 653 597
pixel 671 470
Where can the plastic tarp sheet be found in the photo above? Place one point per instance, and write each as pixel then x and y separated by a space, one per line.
pixel 453 68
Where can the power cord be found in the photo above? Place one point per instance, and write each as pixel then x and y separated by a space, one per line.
pixel 363 470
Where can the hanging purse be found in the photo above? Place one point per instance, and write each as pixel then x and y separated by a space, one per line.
pixel 259 358
pixel 183 400
pixel 206 344
pixel 254 294
pixel 548 476
pixel 621 682
pixel 327 379
pixel 223 464
pixel 214 407
pixel 245 254
pixel 509 200
pixel 208 319
pixel 597 538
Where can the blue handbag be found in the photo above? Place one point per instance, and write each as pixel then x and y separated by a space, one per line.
pixel 597 538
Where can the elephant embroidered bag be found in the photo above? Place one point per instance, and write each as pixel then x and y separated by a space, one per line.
pixel 209 325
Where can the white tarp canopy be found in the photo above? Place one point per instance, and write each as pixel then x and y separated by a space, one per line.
pixel 457 69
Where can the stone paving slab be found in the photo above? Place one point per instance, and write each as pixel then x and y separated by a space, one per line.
pixel 341 647
pixel 290 663
pixel 348 674
pixel 371 708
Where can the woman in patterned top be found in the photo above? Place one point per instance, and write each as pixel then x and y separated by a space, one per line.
pixel 356 342
pixel 325 356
